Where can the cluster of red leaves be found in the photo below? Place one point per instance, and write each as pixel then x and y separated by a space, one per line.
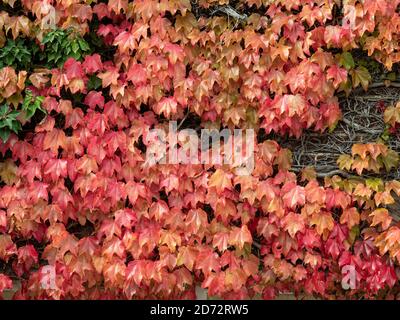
pixel 78 195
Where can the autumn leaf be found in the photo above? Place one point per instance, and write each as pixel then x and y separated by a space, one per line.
pixel 351 217
pixel 293 195
pixel 221 180
pixel 392 115
pixel 93 99
pixel 126 42
pixel 118 5
pixel 187 256
pixel 8 172
pixel 175 52
pixel 92 63
pixel 322 221
pixel 56 168
pixel 109 77
pixel 171 239
pixel 293 223
pixel 207 261
pixel 55 139
pixel 308 174
pixel 291 105
pixel 221 240
pixel 381 216
pixel 360 75
pixel 5 282
pixel 196 221
pixel 391 160
pixel 338 75
pixel 7 247
pixel 240 236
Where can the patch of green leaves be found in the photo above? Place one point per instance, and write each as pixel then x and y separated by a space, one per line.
pixel 18 54
pixel 8 122
pixel 63 44
pixel 31 104
pixel 10 118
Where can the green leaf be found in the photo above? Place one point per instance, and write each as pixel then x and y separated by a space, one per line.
pixel 4 134
pixel 354 234
pixel 3 110
pixel 360 76
pixel 16 126
pixel 62 44
pixel 13 114
pixel 29 106
pixel 391 76
pixel 29 113
pixel 75 46
pixel 83 44
pixel 375 184
pixel 391 160
pixel 94 83
pixel 346 60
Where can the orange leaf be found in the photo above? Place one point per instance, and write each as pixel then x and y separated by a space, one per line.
pixel 221 180
pixel 381 216
pixel 323 221
pixel 240 236
pixel 351 217
pixel 55 139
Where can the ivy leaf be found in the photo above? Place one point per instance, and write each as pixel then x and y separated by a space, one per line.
pixel 94 83
pixel 346 60
pixel 338 75
pixel 381 216
pixel 323 221
pixel 4 134
pixel 375 184
pixel 392 115
pixel 390 160
pixel 5 282
pixel 221 180
pixel 293 195
pixel 361 76
pixel 351 217
pixel 293 223
pixel 345 162
pixel 166 106
pixel 240 236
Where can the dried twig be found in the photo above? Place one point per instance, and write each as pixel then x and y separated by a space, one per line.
pixel 183 120
pixel 230 12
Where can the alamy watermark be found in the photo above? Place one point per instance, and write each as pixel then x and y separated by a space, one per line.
pixel 214 147
pixel 349 277
pixel 48 277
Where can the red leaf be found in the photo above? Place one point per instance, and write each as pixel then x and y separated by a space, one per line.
pixel 93 99
pixel 5 282
pixel 293 195
pixel 73 69
pixel 92 63
pixel 240 236
pixel 54 139
pixel 207 261
pixel 56 168
pixel 338 75
pixel 293 223
pixel 166 106
pixel 7 247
